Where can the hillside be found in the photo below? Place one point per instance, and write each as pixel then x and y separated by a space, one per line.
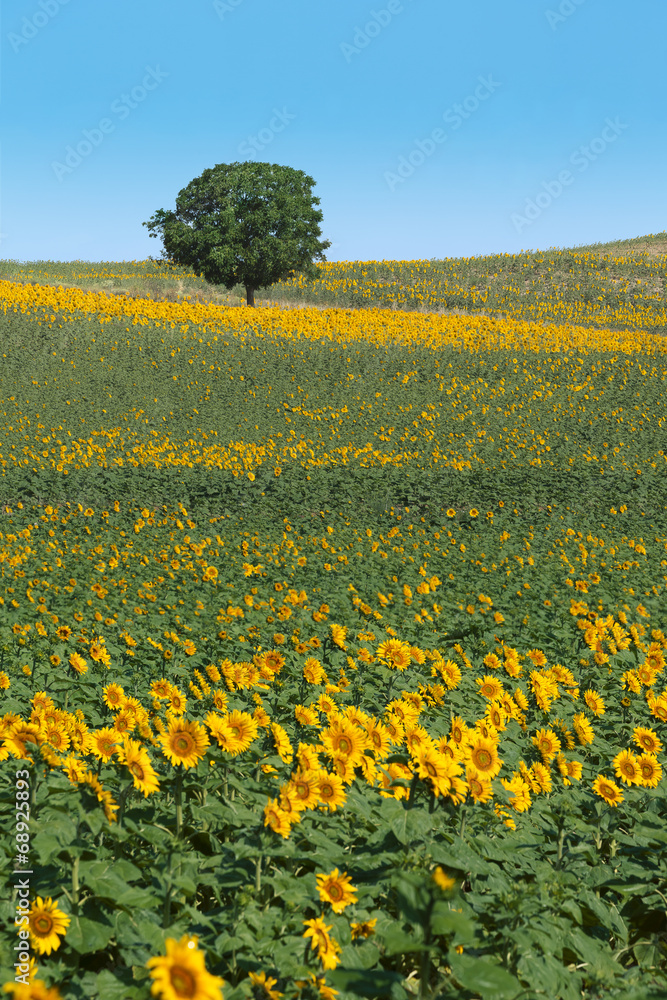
pixel 617 285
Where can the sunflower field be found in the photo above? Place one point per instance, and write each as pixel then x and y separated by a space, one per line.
pixel 332 651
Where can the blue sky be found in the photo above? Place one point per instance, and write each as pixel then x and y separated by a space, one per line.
pixel 432 129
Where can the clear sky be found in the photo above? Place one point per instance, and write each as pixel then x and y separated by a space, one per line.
pixel 431 128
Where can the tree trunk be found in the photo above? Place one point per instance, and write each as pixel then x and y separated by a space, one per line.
pixel 250 295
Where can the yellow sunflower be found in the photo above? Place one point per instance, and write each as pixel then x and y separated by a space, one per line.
pixel 282 743
pixel 490 687
pixel 114 696
pixel 495 715
pixel 520 799
pixel 265 983
pixel 326 704
pixel 306 716
pixel 626 767
pixel 35 989
pixel 379 738
pixel 330 791
pixel 327 949
pixel 650 770
pixel 363 928
pixel 542 777
pixel 483 755
pixel 395 728
pixel 47 924
pixel 547 743
pixel 305 787
pixel 308 758
pixel 343 738
pixel 658 708
pixel 396 653
pixel 460 732
pixel 449 748
pixel 608 790
pixel 313 671
pixel 220 700
pixel 277 818
pixel 161 689
pixel 442 879
pixel 336 889
pixel 344 767
pixel 243 729
pixel 647 740
pixel 79 736
pixel 78 664
pixel 450 673
pixel 184 743
pixel 177 701
pixel 594 702
pixel 583 729
pixel 20 735
pixel 139 765
pixel 338 634
pixel 58 738
pixel 181 974
pixel 437 768
pixel 479 786
pixel 417 739
pixel 569 769
pixel 104 743
pixel 125 722
pixel 271 660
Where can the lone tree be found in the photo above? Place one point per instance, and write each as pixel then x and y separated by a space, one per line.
pixel 244 223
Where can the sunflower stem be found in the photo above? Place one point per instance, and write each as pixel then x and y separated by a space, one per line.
pixel 122 800
pixel 75 883
pixel 413 787
pixel 166 913
pixel 462 826
pixel 425 963
pixel 258 874
pixel 179 801
pixel 561 840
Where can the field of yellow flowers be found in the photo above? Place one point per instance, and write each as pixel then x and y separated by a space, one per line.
pixel 332 650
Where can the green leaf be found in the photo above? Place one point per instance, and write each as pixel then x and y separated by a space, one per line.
pixel 368 983
pixel 485 978
pixel 411 825
pixel 360 956
pixel 86 936
pixel 398 941
pixel 445 922
pixel 47 847
pixel 547 975
pixel 107 986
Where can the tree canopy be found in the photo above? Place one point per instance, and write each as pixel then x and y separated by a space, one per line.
pixel 244 223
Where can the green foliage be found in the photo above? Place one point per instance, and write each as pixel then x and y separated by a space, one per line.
pixel 569 904
pixel 248 223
